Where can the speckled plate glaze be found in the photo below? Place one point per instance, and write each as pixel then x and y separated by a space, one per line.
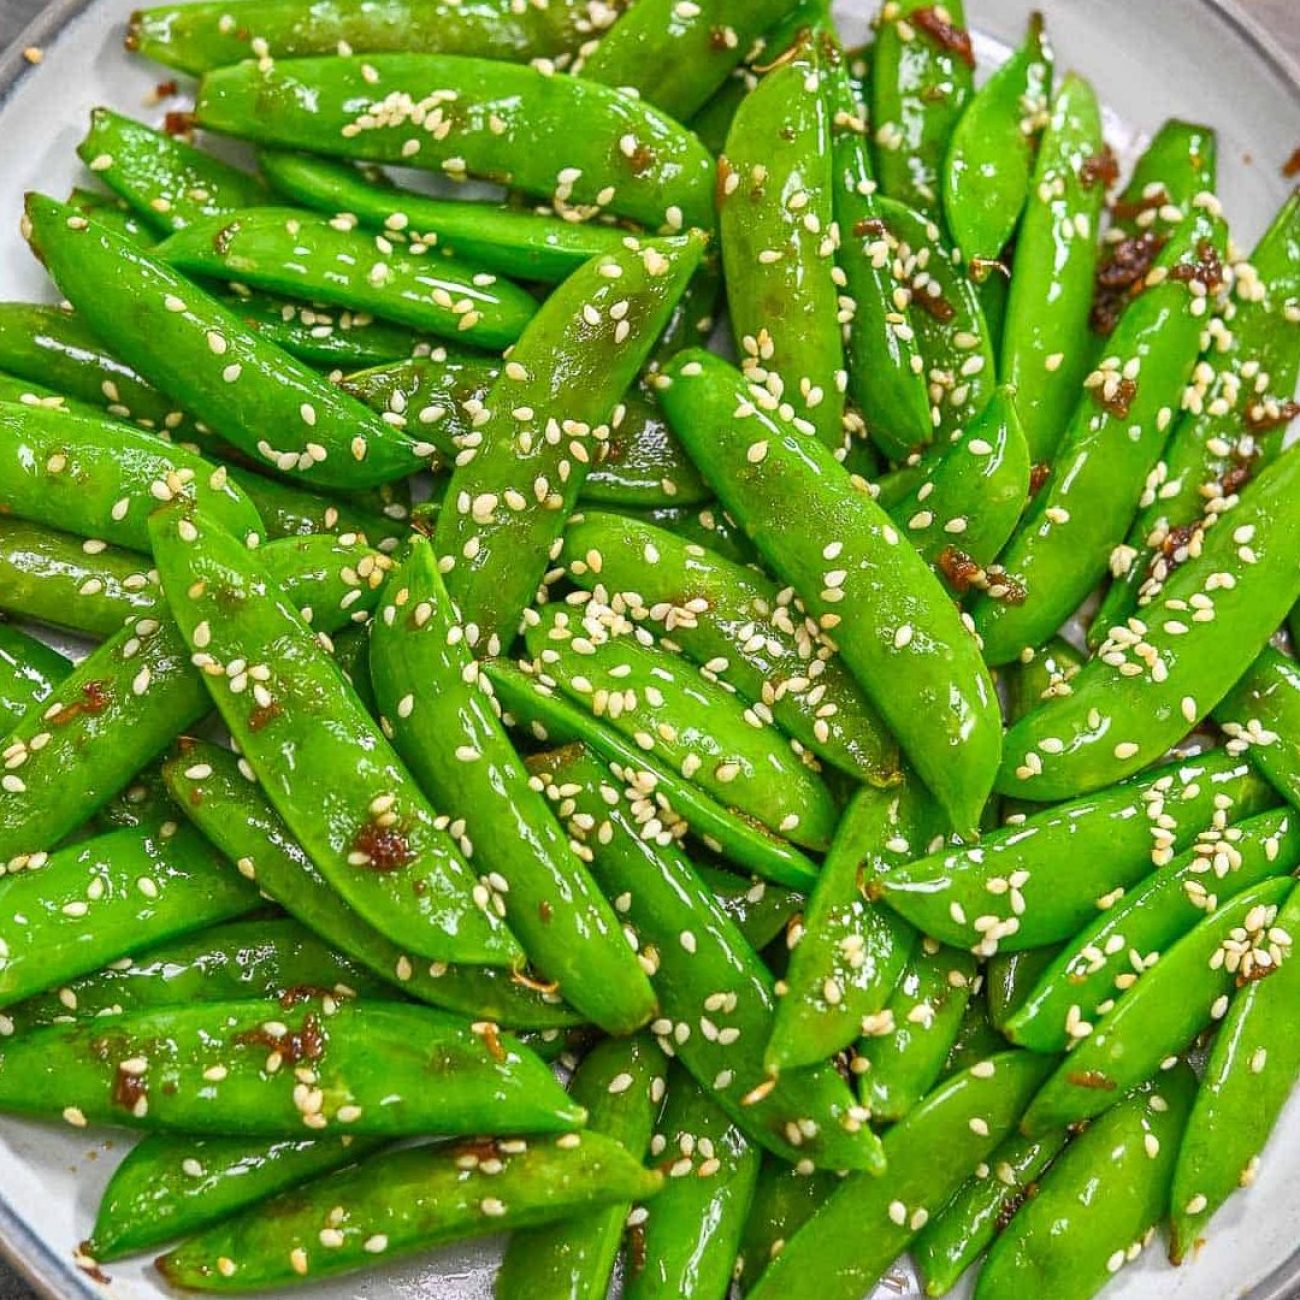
pixel 1149 59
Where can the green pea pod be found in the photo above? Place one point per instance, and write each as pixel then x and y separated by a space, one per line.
pixel 1048 673
pixel 377 841
pixel 949 1244
pixel 441 722
pixel 1111 954
pixel 667 708
pixel 903 1054
pixel 977 1036
pixel 1210 454
pixel 1009 978
pixel 776 216
pixel 111 897
pixel 1113 439
pixel 113 212
pixel 169 183
pixel 906 643
pixel 990 157
pixel 709 526
pixel 289 511
pixel 189 343
pixel 674 804
pixel 785 1198
pixel 306 255
pixel 972 498
pixel 842 1251
pixel 687 1243
pixel 922 77
pixel 214 792
pixel 1249 1077
pixel 569 142
pixel 847 954
pixel 1039 882
pixel 197 37
pixel 1188 990
pixel 620 1083
pixel 1055 263
pixel 509 500
pixel 29 671
pixel 100 478
pixel 693 319
pixel 712 124
pixel 172 1186
pixel 740 626
pixel 715 996
pixel 407 1201
pixel 886 373
pixel 1099 1203
pixel 1162 673
pixel 51 577
pixel 1261 717
pixel 644 463
pixel 524 245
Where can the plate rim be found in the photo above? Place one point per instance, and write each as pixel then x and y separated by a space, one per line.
pixel 48 1273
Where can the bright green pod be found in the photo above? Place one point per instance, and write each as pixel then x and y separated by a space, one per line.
pixel 510 496
pixel 1188 990
pixel 842 1251
pixel 439 715
pixel 990 157
pixel 214 791
pixel 289 511
pixel 741 627
pixel 1099 1202
pixel 705 971
pixel 1249 1077
pixel 325 259
pixel 785 1198
pixel 1111 955
pixel 712 124
pixel 170 1186
pixel 1261 718
pixel 776 212
pixel 1030 681
pixel 1009 977
pixel 188 343
pixel 708 526
pixel 571 143
pixel 1158 676
pixel 113 212
pixel 760 910
pixel 1040 881
pixel 1114 437
pixel 668 708
pixel 621 1083
pixel 688 1239
pixel 29 672
pixel 905 642
pixel 977 1036
pixel 922 78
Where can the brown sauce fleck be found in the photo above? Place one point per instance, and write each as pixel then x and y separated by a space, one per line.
pixel 178 122
pixel 1092 1079
pixel 224 237
pixel 636 1253
pixel 165 90
pixel 89 1267
pixel 128 1089
pixel 1121 276
pixel 95 698
pixel 1009 1208
pixel 306 993
pixel 935 305
pixel 1292 165
pixel 1206 270
pixel 720 185
pixel 641 159
pixel 872 226
pixel 491 1036
pixel 1260 420
pixel 305 1044
pixel 959 568
pixel 1131 209
pixel 1039 475
pixel 1120 402
pixel 946 34
pixel 718 38
pixel 386 846
pixel 264 714
pixel 1100 167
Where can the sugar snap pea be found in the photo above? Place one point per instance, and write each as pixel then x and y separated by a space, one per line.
pixel 708 526
pixel 686 1244
pixel 170 1186
pixel 29 672
pixel 621 1083
pixel 906 644
pixel 1250 1074
pixel 737 624
pixel 776 216
pixel 1009 978
pixel 785 1198
pixel 669 709
pixel 1043 676
pixel 1042 350
pixel 1187 990
pixel 289 511
pixel 323 259
pixel 215 793
pixel 1099 1204
pixel 644 463
pixel 1038 882
pixel 113 212
pixel 376 840
pixel 760 910
pixel 220 1068
pixel 409 1200
pixel 841 1252
pixel 1160 673
pixel 213 33
pixel 990 157
pixel 1063 545
pixel 715 996
pixel 922 77
pixel 578 145
pixel 548 413
pixel 441 721
pixel 1261 717
pixel 238 385
pixel 846 953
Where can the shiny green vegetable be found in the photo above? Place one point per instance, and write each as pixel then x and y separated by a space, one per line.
pixel 785 1198
pixel 760 910
pixel 289 511
pixel 1009 978
pixel 1261 718
pixel 1043 676
pixel 29 672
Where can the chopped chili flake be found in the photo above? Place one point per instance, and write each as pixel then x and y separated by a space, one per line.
pixel 959 568
pixel 872 226
pixel 95 698
pixel 1206 270
pixel 128 1089
pixel 179 122
pixel 1259 419
pixel 305 1044
pixel 1120 402
pixel 1292 165
pixel 945 33
pixel 386 847
pixel 935 305
pixel 1039 475
pixel 1100 167
pixel 1121 276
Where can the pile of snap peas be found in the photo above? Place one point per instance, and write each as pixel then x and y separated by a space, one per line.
pixel 747 812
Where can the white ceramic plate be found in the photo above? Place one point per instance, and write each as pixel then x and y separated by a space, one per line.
pixel 1149 59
